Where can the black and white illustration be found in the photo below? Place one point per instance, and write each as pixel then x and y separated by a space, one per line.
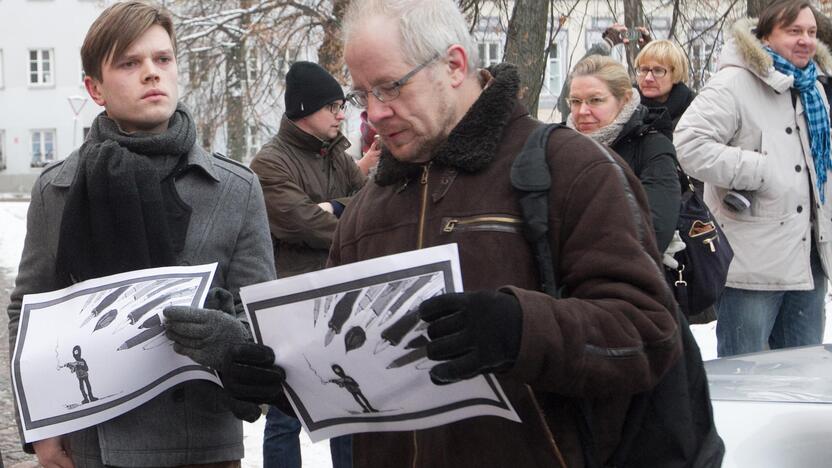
pixel 353 347
pixel 97 349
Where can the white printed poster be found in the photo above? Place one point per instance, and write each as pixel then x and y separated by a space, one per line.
pixel 97 349
pixel 353 346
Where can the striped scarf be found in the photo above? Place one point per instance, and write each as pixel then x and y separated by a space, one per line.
pixel 816 114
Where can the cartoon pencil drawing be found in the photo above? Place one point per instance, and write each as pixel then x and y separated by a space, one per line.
pixel 408 293
pixel 349 384
pixel 81 370
pixel 342 312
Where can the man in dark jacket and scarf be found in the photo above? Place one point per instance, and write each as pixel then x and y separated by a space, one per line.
pixel 307 179
pixel 142 193
pixel 450 134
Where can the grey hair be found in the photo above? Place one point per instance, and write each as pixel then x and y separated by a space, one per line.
pixel 426 27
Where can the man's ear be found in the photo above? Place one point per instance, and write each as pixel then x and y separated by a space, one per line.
pixel 457 64
pixel 94 89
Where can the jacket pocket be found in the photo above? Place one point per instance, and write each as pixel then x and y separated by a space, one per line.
pixel 487 222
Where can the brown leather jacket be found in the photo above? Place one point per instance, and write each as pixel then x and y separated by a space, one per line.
pixel 297 171
pixel 613 335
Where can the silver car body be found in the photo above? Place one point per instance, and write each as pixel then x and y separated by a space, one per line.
pixel 774 409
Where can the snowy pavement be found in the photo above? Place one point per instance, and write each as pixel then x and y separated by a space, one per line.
pixel 12 233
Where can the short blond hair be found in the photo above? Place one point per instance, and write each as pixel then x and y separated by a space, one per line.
pixel 609 71
pixel 668 54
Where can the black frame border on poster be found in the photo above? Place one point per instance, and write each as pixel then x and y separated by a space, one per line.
pixel 26 312
pixel 443 267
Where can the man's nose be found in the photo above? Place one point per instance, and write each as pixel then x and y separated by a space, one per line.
pixel 377 110
pixel 150 72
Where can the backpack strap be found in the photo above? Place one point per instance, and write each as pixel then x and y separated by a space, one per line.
pixel 530 176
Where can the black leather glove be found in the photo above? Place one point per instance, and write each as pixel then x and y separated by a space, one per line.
pixel 248 373
pixel 205 334
pixel 475 333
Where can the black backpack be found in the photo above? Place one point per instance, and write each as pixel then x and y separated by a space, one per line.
pixel 668 426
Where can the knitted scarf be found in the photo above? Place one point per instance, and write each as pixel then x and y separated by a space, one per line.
pixel 118 215
pixel 607 134
pixel 816 114
pixel 677 102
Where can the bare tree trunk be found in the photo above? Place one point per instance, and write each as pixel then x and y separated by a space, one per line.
pixel 330 53
pixel 235 72
pixel 633 18
pixel 526 47
pixel 756 6
pixel 674 20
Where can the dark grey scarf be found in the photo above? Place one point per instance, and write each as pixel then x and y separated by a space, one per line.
pixel 121 212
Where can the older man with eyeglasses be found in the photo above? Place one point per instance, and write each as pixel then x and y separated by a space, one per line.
pixel 450 135
pixel 307 180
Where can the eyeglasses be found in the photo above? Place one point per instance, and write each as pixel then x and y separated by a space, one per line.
pixel 385 92
pixel 657 72
pixel 594 101
pixel 336 106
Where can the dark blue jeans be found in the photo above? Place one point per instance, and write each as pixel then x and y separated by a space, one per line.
pixel 281 443
pixel 748 320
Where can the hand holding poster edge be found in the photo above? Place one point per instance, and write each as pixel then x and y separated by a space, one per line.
pixel 120 314
pixel 341 340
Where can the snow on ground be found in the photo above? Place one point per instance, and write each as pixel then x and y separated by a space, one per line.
pixel 13 231
pixel 313 455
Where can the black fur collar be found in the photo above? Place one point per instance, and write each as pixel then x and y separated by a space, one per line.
pixel 472 144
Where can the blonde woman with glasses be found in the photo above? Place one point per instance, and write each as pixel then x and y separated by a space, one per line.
pixel 605 107
pixel 661 72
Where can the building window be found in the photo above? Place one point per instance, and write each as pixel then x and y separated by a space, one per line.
pixel 252 64
pixel 491 53
pixel 659 28
pixel 554 70
pixel 490 25
pixel 43 147
pixel 704 49
pixel 81 68
pixel 281 67
pixel 40 67
pixel 597 26
pixel 252 141
pixel 2 150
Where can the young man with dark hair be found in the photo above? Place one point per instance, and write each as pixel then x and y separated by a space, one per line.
pixel 141 193
pixel 307 179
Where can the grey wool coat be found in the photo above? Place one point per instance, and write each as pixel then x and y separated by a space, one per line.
pixel 186 424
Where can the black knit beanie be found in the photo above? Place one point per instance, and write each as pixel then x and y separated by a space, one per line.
pixel 308 88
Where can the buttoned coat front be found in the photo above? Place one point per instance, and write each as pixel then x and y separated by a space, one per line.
pixel 188 423
pixel 745 131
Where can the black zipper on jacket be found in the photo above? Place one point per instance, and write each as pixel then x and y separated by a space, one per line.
pixel 420 239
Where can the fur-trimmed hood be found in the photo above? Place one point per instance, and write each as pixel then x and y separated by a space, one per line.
pixel 744 50
pixel 472 144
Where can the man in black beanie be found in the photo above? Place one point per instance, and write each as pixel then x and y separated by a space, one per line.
pixel 307 179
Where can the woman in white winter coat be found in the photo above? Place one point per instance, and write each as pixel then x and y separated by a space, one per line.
pixel 758 135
